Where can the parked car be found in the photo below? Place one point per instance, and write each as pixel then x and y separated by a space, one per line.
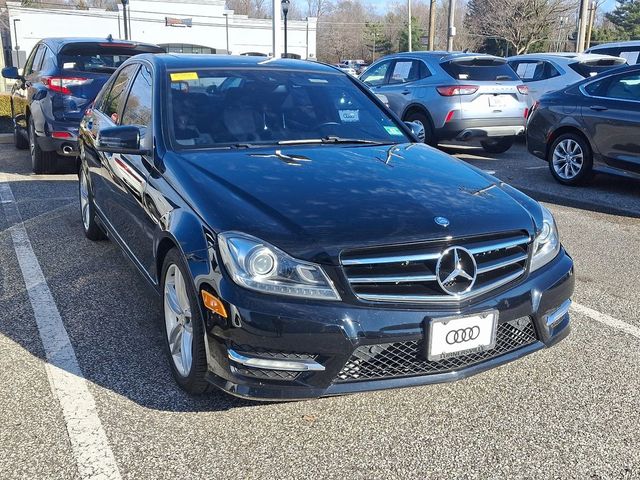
pixel 630 50
pixel 358 65
pixel 458 96
pixel 547 72
pixel 303 243
pixel 60 79
pixel 589 127
pixel 347 69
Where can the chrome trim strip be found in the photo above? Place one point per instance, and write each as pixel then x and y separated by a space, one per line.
pixel 441 298
pixel 498 246
pixel 559 314
pixel 417 257
pixel 393 279
pixel 496 264
pixel 275 364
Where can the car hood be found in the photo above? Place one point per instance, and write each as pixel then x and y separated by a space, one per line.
pixel 315 201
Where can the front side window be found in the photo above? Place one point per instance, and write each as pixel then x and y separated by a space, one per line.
pixel 377 74
pixel 113 100
pixel 28 67
pixel 259 106
pixel 137 110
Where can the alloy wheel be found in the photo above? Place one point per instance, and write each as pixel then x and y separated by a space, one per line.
pixel 178 322
pixel 84 200
pixel 568 159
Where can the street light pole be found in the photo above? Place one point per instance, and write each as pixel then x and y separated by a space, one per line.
pixel 226 29
pixel 15 34
pixel 410 33
pixel 285 10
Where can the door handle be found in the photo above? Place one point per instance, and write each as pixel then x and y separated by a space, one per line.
pixel 598 108
pixel 405 92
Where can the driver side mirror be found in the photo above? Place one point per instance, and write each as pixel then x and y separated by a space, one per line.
pixel 11 73
pixel 417 129
pixel 121 139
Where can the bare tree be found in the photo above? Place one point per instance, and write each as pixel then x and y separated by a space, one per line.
pixel 522 23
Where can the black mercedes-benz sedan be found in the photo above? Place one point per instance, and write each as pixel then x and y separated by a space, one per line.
pixel 303 242
pixel 589 127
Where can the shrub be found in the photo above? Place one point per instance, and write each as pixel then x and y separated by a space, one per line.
pixel 5 105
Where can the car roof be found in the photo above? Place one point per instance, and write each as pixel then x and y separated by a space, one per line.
pixel 438 55
pixel 563 57
pixel 629 43
pixel 179 61
pixel 56 43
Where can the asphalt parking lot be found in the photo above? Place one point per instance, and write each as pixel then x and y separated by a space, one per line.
pixel 568 412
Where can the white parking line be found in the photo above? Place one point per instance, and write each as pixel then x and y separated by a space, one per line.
pixel 89 443
pixel 606 319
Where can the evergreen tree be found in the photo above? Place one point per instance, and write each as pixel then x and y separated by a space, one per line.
pixel 626 17
pixel 416 33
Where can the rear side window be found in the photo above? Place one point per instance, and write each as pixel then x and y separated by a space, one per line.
pixel 534 71
pixel 99 57
pixel 623 87
pixel 113 100
pixel 479 69
pixel 590 69
pixel 49 61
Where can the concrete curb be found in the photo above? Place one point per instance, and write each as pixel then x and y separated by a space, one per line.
pixel 6 138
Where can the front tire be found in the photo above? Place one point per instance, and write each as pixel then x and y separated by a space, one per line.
pixel 92 229
pixel 183 325
pixel 421 118
pixel 570 160
pixel 41 161
pixel 497 144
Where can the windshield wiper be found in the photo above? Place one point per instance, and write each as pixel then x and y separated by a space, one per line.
pixel 331 139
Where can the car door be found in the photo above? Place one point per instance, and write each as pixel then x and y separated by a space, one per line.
pixel 376 77
pixel 611 114
pixel 129 174
pixel 403 86
pixel 22 91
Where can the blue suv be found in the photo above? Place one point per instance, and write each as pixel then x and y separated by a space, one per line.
pixel 60 80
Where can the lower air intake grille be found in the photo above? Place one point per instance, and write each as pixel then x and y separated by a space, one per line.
pixel 265 373
pixel 401 359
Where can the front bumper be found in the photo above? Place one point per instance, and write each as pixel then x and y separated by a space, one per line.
pixel 466 129
pixel 330 333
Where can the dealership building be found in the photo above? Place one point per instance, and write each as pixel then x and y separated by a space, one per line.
pixel 184 26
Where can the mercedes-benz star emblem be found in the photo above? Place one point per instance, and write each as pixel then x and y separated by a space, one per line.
pixel 456 270
pixel 442 221
pixel 463 335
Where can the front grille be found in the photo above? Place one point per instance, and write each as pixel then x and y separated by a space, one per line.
pixel 403 359
pixel 407 273
pixel 264 373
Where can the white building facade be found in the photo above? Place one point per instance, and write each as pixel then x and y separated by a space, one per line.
pixel 212 28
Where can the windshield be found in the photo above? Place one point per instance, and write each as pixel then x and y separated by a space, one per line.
pixel 215 107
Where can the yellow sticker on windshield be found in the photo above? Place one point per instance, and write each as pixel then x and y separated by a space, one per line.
pixel 176 77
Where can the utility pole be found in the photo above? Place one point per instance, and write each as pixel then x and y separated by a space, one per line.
pixel 452 28
pixel 125 17
pixel 410 32
pixel 432 25
pixel 592 18
pixel 582 26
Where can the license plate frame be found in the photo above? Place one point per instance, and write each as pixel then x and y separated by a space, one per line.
pixel 439 347
pixel 497 101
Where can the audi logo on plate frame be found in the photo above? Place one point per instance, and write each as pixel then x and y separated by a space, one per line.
pixel 462 335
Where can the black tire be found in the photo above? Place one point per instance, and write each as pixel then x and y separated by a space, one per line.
pixel 41 161
pixel 19 139
pixel 417 116
pixel 584 173
pixel 90 226
pixel 497 144
pixel 194 382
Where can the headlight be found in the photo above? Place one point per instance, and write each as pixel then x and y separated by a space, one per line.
pixel 547 243
pixel 256 265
